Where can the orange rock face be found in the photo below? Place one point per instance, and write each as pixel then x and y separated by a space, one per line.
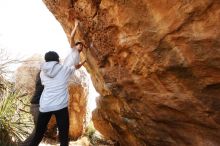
pixel 77 108
pixel 156 64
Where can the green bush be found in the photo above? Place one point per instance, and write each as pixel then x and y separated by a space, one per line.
pixel 15 121
pixel 90 130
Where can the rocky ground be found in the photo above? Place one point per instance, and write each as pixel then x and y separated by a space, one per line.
pixel 94 140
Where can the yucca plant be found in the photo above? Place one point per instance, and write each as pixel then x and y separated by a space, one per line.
pixel 15 121
pixel 2 86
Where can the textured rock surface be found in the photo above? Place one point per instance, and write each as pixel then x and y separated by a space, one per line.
pixel 156 64
pixel 26 74
pixel 78 90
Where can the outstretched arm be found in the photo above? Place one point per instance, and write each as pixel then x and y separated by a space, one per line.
pixel 80 65
pixel 73 33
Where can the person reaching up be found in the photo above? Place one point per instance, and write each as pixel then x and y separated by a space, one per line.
pixel 54 99
pixel 76 49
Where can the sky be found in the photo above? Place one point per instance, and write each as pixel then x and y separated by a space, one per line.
pixel 27 27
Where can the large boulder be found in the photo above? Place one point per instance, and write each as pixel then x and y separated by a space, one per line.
pixel 25 74
pixel 78 93
pixel 156 65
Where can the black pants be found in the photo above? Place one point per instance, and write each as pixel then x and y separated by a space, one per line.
pixel 62 118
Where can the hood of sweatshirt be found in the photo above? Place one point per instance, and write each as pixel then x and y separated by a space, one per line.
pixel 51 68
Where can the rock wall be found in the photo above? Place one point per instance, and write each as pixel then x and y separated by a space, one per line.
pixel 156 64
pixel 78 90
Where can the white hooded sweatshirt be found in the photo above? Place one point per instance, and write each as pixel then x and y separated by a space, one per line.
pixel 54 77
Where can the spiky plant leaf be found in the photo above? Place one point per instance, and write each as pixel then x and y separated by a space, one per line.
pixel 15 121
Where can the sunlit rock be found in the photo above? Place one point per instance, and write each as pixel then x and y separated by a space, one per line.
pixel 156 64
pixel 78 90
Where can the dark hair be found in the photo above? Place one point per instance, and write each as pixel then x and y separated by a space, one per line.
pixel 51 56
pixel 77 43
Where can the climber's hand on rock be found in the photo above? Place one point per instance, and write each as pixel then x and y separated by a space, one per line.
pixel 74 31
pixel 76 22
pixel 78 66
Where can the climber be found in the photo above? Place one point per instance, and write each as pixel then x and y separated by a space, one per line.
pixel 54 99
